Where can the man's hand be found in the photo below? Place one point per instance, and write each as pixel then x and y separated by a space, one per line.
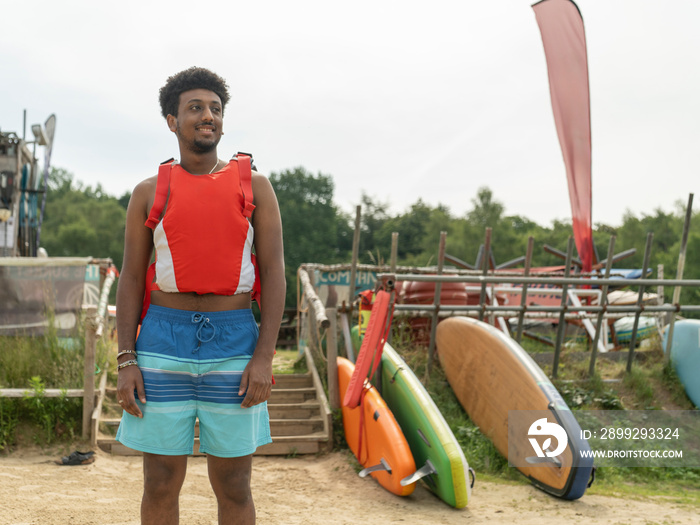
pixel 128 380
pixel 256 382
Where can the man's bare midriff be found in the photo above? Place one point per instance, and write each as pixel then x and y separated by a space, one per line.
pixel 200 302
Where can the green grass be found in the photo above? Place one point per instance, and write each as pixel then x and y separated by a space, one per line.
pixel 288 362
pixel 38 363
pixel 45 356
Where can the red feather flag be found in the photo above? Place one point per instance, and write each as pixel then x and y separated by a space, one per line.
pixel 564 42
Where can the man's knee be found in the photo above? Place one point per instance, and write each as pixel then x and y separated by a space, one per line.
pixel 231 482
pixel 163 476
pixel 237 492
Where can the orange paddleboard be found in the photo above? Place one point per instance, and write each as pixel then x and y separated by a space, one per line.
pixel 376 439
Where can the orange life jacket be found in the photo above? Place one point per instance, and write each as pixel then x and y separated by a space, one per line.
pixel 204 239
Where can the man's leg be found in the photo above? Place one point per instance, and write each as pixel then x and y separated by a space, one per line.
pixel 230 479
pixel 163 477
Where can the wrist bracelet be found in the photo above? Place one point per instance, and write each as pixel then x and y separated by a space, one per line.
pixel 125 352
pixel 127 363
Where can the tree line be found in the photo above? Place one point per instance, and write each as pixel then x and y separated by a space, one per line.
pixel 85 221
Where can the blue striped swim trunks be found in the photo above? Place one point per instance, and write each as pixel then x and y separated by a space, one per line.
pixel 192 363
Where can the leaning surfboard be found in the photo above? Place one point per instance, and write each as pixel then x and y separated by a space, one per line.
pixel 375 437
pixel 438 456
pixel 685 356
pixel 491 375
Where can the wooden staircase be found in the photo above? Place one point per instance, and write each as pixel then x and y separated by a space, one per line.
pixel 300 418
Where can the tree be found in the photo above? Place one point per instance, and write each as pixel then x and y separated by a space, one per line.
pixel 81 221
pixel 419 233
pixel 311 229
pixel 487 212
pixel 124 199
pixel 375 240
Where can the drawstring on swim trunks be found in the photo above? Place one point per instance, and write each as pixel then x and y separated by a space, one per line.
pixel 203 324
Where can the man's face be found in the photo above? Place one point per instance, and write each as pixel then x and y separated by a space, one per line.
pixel 199 122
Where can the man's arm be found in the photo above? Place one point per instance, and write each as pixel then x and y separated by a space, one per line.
pixel 138 249
pixel 256 382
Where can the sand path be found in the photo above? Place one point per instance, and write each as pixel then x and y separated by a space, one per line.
pixel 289 491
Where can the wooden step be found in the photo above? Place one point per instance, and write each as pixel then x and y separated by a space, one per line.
pixel 292 395
pixel 307 409
pixel 293 381
pixel 295 427
pixel 292 445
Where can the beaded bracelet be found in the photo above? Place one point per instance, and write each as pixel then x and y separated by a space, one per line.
pixel 127 363
pixel 125 352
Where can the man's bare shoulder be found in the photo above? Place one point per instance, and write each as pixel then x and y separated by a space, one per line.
pixel 144 192
pixel 259 179
pixel 148 184
pixel 263 192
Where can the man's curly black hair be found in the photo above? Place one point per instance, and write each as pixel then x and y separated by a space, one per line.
pixel 191 78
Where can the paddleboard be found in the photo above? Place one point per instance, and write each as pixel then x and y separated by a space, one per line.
pixel 375 437
pixel 438 456
pixel 646 326
pixel 492 375
pixel 685 356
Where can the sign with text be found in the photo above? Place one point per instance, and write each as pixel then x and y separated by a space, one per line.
pixel 333 287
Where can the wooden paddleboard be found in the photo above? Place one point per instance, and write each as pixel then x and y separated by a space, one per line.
pixel 492 375
pixel 438 455
pixel 377 441
pixel 685 356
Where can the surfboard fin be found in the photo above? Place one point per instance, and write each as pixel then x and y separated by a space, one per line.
pixel 425 470
pixel 383 465
pixel 534 460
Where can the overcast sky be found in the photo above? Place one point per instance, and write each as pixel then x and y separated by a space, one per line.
pixel 400 99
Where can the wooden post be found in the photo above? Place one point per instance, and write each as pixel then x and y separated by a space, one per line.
pixel 561 328
pixel 89 370
pixel 392 266
pixel 355 257
pixel 104 298
pixel 331 357
pixel 345 325
pixel 436 302
pixel 394 251
pixel 97 412
pixel 603 304
pixel 315 304
pixel 640 301
pixel 485 271
pixel 523 293
pixel 679 275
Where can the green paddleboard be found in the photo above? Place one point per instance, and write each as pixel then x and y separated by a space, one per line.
pixel 438 456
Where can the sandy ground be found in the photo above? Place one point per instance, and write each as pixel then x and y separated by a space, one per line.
pixel 289 491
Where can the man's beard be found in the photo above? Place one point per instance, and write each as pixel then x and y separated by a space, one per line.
pixel 199 146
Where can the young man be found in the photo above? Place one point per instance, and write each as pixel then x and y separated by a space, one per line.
pixel 199 353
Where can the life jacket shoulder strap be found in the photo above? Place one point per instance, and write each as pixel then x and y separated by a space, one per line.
pixel 244 161
pixel 161 196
